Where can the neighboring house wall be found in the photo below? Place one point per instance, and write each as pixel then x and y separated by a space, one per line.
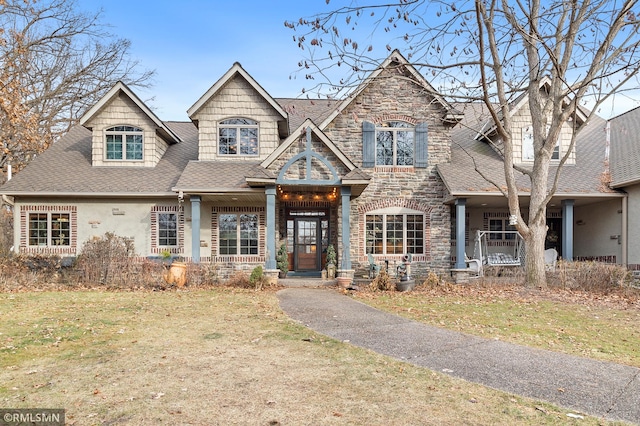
pixel 633 235
pixel 594 227
pixel 396 97
pixel 237 99
pixel 119 112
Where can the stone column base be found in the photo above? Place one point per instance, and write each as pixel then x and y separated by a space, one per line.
pixel 461 276
pixel 272 276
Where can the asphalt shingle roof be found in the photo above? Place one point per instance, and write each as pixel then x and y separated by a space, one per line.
pixel 625 148
pixel 66 168
pixel 301 109
pixel 218 175
pixel 460 175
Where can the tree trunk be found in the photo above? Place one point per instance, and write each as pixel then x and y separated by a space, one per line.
pixel 534 254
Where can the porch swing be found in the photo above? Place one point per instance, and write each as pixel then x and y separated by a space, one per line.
pixel 513 254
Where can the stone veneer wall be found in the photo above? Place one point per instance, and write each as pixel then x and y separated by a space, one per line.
pixel 394 96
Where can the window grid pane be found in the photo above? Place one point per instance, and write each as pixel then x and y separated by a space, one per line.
pixel 134 147
pixel 167 229
pixel 249 141
pixel 384 148
pixel 60 229
pixel 374 239
pixel 404 148
pixel 38 229
pixel 114 147
pixel 495 225
pixel 395 244
pixel 228 144
pixel 248 234
pixel 415 234
pixel 228 234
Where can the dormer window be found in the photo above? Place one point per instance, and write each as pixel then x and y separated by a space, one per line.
pixel 124 143
pixel 238 136
pixel 527 145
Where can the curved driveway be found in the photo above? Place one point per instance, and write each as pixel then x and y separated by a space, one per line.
pixel 594 387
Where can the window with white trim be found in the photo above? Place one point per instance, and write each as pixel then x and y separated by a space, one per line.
pixel 124 143
pixel 49 229
pixel 238 234
pixel 394 232
pixel 395 144
pixel 167 229
pixel 238 136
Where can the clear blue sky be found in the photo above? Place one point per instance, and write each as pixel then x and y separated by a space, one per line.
pixel 192 43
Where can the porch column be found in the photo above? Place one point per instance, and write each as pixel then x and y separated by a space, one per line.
pixel 567 229
pixel 460 232
pixel 346 227
pixel 270 192
pixel 195 228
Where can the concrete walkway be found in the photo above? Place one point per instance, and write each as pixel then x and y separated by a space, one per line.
pixel 602 389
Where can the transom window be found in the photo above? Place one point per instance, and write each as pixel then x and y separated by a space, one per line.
pixel 124 143
pixel 238 234
pixel 167 229
pixel 395 144
pixel 238 136
pixel 395 233
pixel 49 229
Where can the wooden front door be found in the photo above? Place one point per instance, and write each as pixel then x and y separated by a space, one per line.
pixel 307 249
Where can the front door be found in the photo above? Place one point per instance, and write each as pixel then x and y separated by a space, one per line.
pixel 307 249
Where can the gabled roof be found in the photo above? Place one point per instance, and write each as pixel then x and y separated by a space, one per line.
pixel 65 169
pixel 518 103
pixel 295 135
pixel 585 178
pixel 395 57
pixel 236 69
pixel 115 91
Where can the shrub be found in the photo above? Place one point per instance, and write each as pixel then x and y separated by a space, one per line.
pixel 433 280
pixel 239 279
pixel 282 259
pixel 591 276
pixel 106 260
pixel 382 282
pixel 257 278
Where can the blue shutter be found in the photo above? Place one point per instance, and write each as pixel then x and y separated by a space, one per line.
pixel 422 146
pixel 368 144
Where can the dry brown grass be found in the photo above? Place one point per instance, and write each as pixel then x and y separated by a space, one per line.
pixel 221 356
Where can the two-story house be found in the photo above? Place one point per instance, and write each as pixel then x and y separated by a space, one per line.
pixel 384 172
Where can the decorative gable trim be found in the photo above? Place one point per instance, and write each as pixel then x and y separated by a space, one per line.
pixel 236 69
pixel 120 87
pixel 295 136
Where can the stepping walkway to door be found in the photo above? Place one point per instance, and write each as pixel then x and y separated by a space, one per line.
pixel 602 389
